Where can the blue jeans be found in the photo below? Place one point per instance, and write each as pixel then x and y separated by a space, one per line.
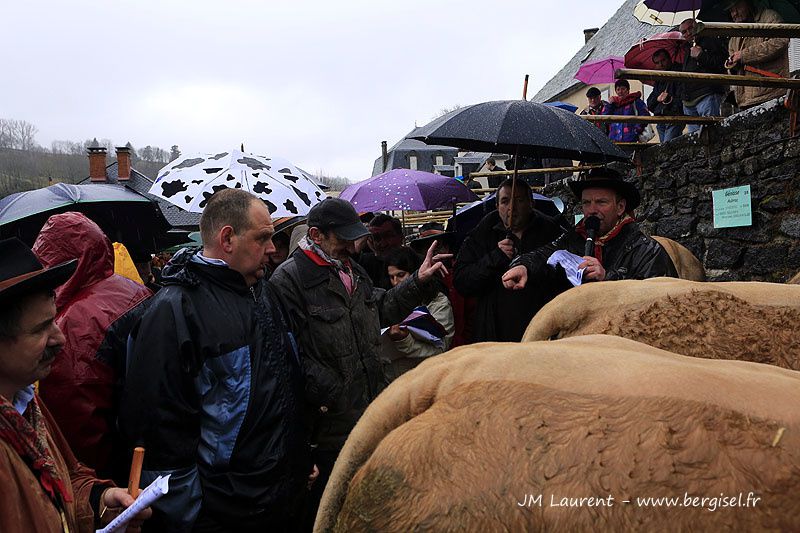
pixel 708 106
pixel 667 132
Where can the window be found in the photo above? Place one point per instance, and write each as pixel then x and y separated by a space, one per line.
pixel 412 162
pixel 440 160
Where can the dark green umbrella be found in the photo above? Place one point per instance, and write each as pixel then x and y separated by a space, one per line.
pixel 124 215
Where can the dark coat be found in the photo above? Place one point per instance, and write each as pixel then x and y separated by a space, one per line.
pixel 501 315
pixel 629 255
pixel 711 60
pixel 674 89
pixel 339 337
pixel 214 394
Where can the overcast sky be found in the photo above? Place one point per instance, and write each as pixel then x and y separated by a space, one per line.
pixel 320 83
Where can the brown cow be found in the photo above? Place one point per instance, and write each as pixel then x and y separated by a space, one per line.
pixel 748 321
pixel 688 266
pixel 518 437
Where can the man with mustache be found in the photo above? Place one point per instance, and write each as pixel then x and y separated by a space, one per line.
pixel 337 315
pixel 45 488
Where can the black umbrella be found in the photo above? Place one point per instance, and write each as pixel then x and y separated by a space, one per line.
pixel 521 127
pixel 123 214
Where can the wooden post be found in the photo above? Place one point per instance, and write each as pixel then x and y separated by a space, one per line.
pixel 746 29
pixel 713 79
pixel 136 471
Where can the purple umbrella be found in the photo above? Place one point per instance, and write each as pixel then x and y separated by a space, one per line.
pixel 410 190
pixel 600 70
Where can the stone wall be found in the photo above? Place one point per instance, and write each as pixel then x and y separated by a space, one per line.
pixel 676 179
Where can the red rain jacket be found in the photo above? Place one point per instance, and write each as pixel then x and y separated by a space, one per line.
pixel 83 386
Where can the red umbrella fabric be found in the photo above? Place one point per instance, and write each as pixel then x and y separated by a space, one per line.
pixel 600 70
pixel 641 55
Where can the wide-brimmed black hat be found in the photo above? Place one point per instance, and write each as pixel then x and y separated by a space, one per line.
pixel 339 216
pixel 605 178
pixel 22 273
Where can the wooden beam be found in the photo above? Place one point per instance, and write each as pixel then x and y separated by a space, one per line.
pixel 713 79
pixel 648 119
pixel 534 170
pixel 742 29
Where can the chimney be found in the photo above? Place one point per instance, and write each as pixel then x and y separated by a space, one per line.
pixel 384 155
pixel 124 162
pixel 97 162
pixel 588 34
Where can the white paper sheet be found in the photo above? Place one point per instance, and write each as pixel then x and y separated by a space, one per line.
pixel 153 492
pixel 569 262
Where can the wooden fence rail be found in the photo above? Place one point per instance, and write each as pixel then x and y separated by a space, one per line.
pixel 713 79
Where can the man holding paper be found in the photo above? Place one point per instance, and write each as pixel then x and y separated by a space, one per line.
pixel 44 487
pixel 621 250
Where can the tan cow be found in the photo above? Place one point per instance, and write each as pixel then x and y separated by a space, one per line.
pixel 572 435
pixel 748 321
pixel 688 266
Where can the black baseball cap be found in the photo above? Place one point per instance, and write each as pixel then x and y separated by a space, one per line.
pixel 592 92
pixel 339 216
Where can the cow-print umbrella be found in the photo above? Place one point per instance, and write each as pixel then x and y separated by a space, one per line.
pixel 190 181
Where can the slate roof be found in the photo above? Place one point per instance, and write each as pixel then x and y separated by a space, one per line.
pixel 177 217
pixel 398 154
pixel 622 31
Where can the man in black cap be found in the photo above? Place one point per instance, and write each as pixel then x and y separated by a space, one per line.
pixel 45 488
pixel 621 250
pixel 595 106
pixel 337 314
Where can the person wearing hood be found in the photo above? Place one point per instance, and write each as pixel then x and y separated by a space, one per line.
pixel 214 390
pixel 625 103
pixel 94 310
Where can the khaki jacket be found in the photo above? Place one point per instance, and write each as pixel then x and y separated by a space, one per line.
pixel 763 53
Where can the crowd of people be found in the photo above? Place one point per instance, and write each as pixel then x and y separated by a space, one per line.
pixel 243 375
pixel 752 55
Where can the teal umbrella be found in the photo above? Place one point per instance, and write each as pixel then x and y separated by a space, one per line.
pixel 123 214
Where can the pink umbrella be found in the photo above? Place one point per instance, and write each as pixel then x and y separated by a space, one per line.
pixel 641 55
pixel 600 70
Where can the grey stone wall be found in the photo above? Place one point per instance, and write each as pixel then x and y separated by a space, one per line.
pixel 676 180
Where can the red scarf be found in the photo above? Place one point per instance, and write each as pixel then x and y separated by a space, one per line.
pixel 27 435
pixel 601 241
pixel 622 102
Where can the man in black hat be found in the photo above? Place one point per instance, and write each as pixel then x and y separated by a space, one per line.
pixel 621 250
pixel 337 315
pixel 45 488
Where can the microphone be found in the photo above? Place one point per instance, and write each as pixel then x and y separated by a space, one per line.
pixel 592 224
